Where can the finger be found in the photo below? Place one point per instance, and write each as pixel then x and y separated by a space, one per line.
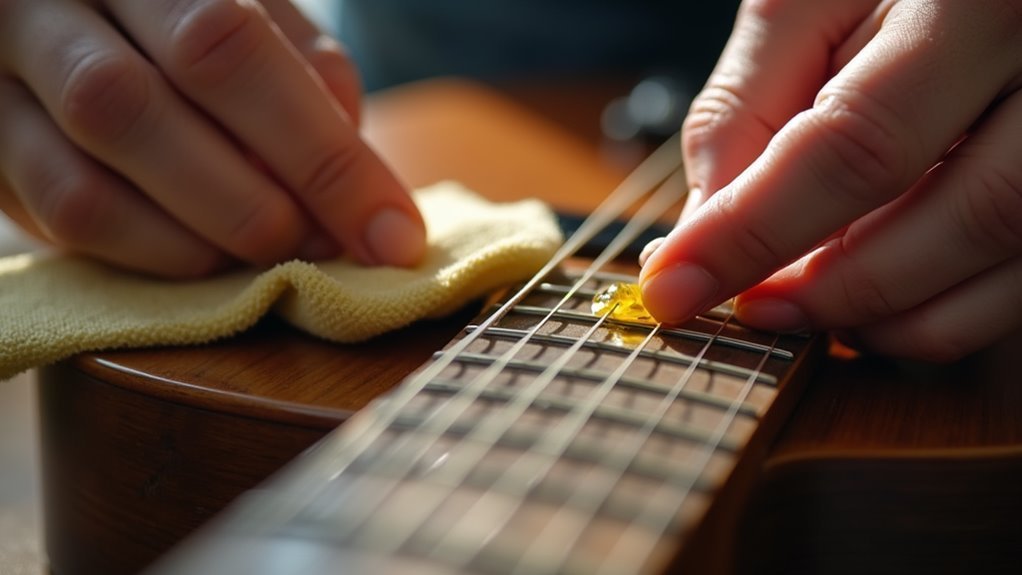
pixel 327 56
pixel 228 58
pixel 961 321
pixel 11 205
pixel 963 217
pixel 110 101
pixel 78 204
pixel 873 131
pixel 775 61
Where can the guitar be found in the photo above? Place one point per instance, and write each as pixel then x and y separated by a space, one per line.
pixel 879 467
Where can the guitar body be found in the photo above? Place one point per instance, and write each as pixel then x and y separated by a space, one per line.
pixel 882 467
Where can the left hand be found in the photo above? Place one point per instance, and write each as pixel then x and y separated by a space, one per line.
pixel 860 163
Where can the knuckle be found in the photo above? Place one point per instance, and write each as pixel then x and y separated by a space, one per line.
pixel 864 294
pixel 755 243
pixel 105 98
pixel 263 232
pixel 711 109
pixel 716 112
pixel 989 212
pixel 325 178
pixel 212 40
pixel 860 153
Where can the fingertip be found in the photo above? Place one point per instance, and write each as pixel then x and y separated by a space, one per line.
pixel 395 237
pixel 677 292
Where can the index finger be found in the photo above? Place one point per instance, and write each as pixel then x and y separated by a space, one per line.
pixel 229 58
pixel 873 130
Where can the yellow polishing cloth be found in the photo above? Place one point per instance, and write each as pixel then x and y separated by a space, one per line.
pixel 53 307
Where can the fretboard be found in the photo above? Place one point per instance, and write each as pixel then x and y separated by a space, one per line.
pixel 544 440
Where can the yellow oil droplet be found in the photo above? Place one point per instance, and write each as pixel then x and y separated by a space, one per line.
pixel 628 301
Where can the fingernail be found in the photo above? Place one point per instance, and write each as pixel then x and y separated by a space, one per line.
pixel 649 249
pixel 395 239
pixel 678 292
pixel 772 314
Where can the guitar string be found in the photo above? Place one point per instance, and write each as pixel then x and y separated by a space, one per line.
pixel 311 476
pixel 488 434
pixel 400 460
pixel 621 556
pixel 398 534
pixel 582 505
pixel 517 485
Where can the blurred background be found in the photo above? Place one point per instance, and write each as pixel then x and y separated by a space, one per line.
pixel 643 60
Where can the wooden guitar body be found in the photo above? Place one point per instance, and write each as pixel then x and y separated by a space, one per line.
pixel 883 467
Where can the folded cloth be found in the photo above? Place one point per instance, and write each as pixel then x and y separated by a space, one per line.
pixel 52 307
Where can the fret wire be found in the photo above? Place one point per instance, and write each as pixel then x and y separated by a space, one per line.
pixel 551 446
pixel 614 415
pixel 684 333
pixel 619 465
pixel 677 358
pixel 620 557
pixel 338 450
pixel 645 465
pixel 699 397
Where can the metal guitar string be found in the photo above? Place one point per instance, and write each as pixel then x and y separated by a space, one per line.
pixel 620 559
pixel 335 453
pixel 552 447
pixel 618 461
pixel 400 460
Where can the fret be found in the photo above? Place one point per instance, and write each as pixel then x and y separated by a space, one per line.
pixel 623 417
pixel 588 450
pixel 556 492
pixel 662 356
pixel 684 333
pixel 694 396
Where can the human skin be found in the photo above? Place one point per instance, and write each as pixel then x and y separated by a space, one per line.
pixel 180 137
pixel 855 166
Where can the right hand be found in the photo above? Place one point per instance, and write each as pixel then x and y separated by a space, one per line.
pixel 180 136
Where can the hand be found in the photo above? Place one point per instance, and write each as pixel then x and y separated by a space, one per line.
pixel 857 166
pixel 175 137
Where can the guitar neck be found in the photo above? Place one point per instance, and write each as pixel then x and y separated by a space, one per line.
pixel 543 440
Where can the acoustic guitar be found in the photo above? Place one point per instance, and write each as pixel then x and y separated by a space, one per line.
pixel 545 438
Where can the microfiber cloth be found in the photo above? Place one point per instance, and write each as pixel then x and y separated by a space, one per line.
pixel 53 306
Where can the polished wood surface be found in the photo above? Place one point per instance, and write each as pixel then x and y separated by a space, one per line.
pixel 884 467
